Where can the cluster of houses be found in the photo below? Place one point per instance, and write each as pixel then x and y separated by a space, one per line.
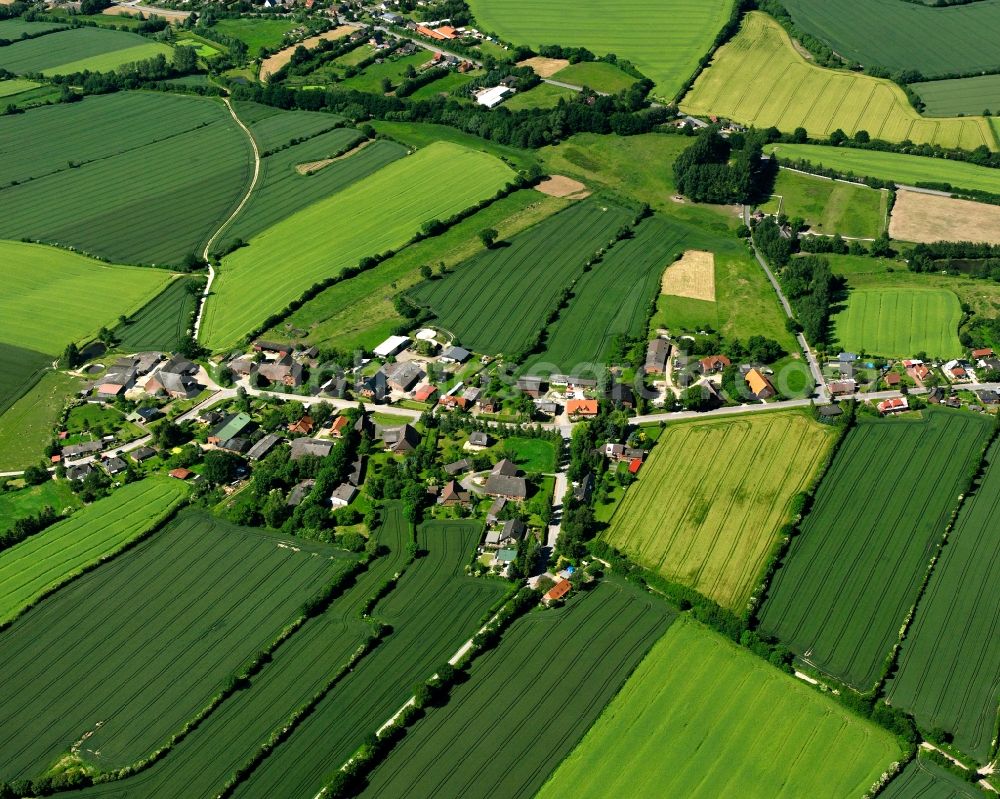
pixel 152 373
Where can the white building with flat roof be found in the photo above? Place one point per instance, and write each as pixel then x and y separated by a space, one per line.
pixel 493 96
pixel 391 346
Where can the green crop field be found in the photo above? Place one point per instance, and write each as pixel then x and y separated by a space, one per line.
pixel 89 535
pixel 162 322
pixel 26 425
pixel 12 29
pixel 924 779
pixel 27 501
pixel 709 518
pixel 146 178
pixel 498 300
pixel 445 85
pixel 830 206
pixel 494 739
pixel 45 290
pixel 900 167
pixel 906 36
pixel 544 95
pixel 149 639
pixel 707 718
pixel 422 134
pixel 78 49
pixel 665 39
pixel 598 75
pixel 789 92
pixel 20 369
pixel 960 96
pixel 359 312
pixel 613 298
pixel 273 128
pixel 900 322
pixel 852 573
pixel 255 32
pixel 433 611
pixel 947 675
pixel 379 213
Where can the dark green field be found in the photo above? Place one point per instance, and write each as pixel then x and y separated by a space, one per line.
pixel 853 572
pixel 947 674
pixel 923 779
pixel 273 128
pixel 145 641
pixel 161 323
pixel 20 369
pixel 498 300
pixel 528 702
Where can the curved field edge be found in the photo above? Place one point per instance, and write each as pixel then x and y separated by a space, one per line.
pixel 41 564
pixel 702 717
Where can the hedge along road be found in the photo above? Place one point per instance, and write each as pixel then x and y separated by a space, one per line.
pixel 232 216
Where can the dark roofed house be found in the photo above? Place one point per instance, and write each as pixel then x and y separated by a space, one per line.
pixel 179 365
pixel 357 471
pixel 622 394
pixel 143 454
pixel 478 440
pixel 505 467
pixel 400 439
pixel 79 472
pixel 532 386
pixel 455 355
pixel 453 494
pixel 343 495
pixel 402 376
pixel 78 450
pixel 657 353
pixel 458 467
pixel 585 489
pixel 284 371
pixel 502 485
pixel 830 411
pixel 264 446
pixel 115 466
pixel 176 385
pixel 301 447
pixel 299 492
pixel 988 397
pixel 493 514
pixel 243 367
pixel 236 444
pixel 271 346
pixel 508 535
pixel 374 387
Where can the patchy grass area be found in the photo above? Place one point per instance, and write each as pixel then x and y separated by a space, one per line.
pixel 27 425
pixel 22 502
pixel 544 95
pixel 532 454
pixel 921 217
pixel 597 75
pixel 256 32
pixel 830 206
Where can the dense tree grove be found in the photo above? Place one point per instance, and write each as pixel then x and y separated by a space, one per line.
pixel 810 286
pixel 719 170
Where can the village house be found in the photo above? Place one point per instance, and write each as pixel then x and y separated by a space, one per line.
pixel 230 427
pixel 284 371
pixel 264 446
pixel 892 379
pixel 357 473
pixel 584 407
pixel 80 472
pixel 79 450
pixel 957 371
pixel 299 492
pixel 622 394
pixel 714 364
pixel 172 384
pixel 339 426
pixel 453 494
pixel 400 440
pixel 532 386
pixel 557 592
pixel 988 396
pixel 894 405
pixel 504 466
pixel 301 447
pixel 424 393
pixel 343 495
pixel 144 415
pixel 402 376
pixel 242 367
pixel 277 348
pixel 657 353
pixel 620 452
pixel 509 534
pixel 374 387
pixel 584 488
pixel 984 352
pixel 840 388
pixel 493 514
pixel 178 365
pixel 304 426
pixel 759 385
pixel 503 482
pixel 457 467
pixel 142 454
pixel 455 355
pixel 114 466
pixel 110 391
pixel 180 473
pixel 548 407
pixel 454 401
pixel 477 440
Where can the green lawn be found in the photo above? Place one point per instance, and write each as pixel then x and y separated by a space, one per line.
pixel 597 75
pixel 532 454
pixel 832 206
pixel 544 95
pixel 26 427
pixel 703 718
pixel 449 83
pixel 27 501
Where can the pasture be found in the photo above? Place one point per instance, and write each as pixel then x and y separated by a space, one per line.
pixel 78 49
pixel 434 609
pixel 852 574
pixel 613 299
pixel 900 167
pixel 532 269
pixel 947 676
pixel 789 92
pixel 146 178
pixel 162 322
pixel 960 39
pixel 531 454
pixel 359 312
pixel 597 75
pixel 922 217
pixel 712 497
pixel 900 322
pixel 380 213
pixel 467 748
pixel 16 86
pixel 707 718
pixel 544 95
pixel 256 32
pixel 90 535
pixel 664 40
pixel 391 69
pixel 149 639
pixel 27 423
pixel 44 289
pixel 830 206
pixel 975 95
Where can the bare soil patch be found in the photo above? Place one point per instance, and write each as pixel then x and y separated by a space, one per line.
pixel 314 166
pixel 544 67
pixel 273 63
pixel 562 186
pixel 692 276
pixel 926 218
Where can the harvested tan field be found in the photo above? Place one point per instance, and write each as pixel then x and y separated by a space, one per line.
pixel 562 186
pixel 544 67
pixel 692 276
pixel 314 166
pixel 926 218
pixel 167 13
pixel 272 64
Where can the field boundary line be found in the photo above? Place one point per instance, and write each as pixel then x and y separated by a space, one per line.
pixel 229 219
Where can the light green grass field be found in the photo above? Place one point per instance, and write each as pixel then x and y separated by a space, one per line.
pixel 371 79
pixel 663 38
pixel 960 96
pixel 703 718
pixel 16 86
pixel 900 322
pixel 597 75
pixel 28 424
pixel 900 167
pixel 13 29
pixel 832 206
pixel 366 218
pixel 421 134
pixel 52 297
pixel 201 47
pixel 49 558
pixel 29 500
pixel 256 33
pixel 544 95
pixel 445 85
pixel 788 92
pixel 712 496
pixel 532 454
pixel 79 49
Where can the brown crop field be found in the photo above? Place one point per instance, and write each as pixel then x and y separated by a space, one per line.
pixel 927 218
pixel 692 276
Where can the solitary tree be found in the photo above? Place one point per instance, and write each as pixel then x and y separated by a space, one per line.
pixel 488 237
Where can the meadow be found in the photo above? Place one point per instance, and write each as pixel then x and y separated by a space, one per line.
pixel 789 92
pixel 45 290
pixel 707 718
pixel 960 96
pixel 27 424
pixel 899 167
pixel 49 558
pixel 924 779
pixel 830 206
pixel 852 573
pixel 20 369
pixel 544 95
pixel 533 268
pixel 162 322
pixel 255 32
pixel 16 86
pixel 434 609
pixel 531 454
pixel 27 501
pixel 613 299
pixel 382 212
pixel 900 322
pixel 960 39
pixel 471 748
pixel 665 40
pixel 709 518
pixel 947 676
pixel 391 69
pixel 597 75
pixel 359 312
pixel 78 49
pixel 147 640
pixel 146 179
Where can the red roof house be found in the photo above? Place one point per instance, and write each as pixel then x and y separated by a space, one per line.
pixel 557 592
pixel 424 392
pixel 584 407
pixel 985 352
pixel 634 465
pixel 303 425
pixel 181 473
pixel 338 426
